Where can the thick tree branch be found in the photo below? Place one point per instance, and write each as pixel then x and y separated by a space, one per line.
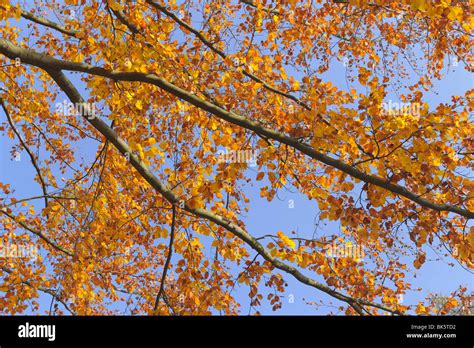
pixel 65 84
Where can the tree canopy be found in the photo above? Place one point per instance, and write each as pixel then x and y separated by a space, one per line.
pixel 186 106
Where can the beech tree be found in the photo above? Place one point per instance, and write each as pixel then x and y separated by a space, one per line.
pixel 168 94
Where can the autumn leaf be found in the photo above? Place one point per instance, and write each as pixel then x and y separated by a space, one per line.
pixel 286 241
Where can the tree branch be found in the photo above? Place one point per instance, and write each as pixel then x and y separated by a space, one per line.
pixel 168 260
pixel 30 154
pixel 37 233
pixel 221 53
pixel 43 289
pixel 47 23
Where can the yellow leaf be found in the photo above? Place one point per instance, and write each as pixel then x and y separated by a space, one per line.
pixel 455 13
pixel 418 5
pixel 161 232
pixel 417 264
pixel 445 3
pixel 164 145
pixel 153 152
pixel 253 66
pixel 128 64
pixel 79 58
pixel 287 241
pixel 274 252
pixel 363 76
pixel 115 6
pixel 213 124
pixel 421 309
pixel 225 78
pixel 271 176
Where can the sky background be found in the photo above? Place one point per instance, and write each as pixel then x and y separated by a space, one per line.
pixel 268 217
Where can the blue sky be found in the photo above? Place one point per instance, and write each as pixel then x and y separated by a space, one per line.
pixel 267 218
